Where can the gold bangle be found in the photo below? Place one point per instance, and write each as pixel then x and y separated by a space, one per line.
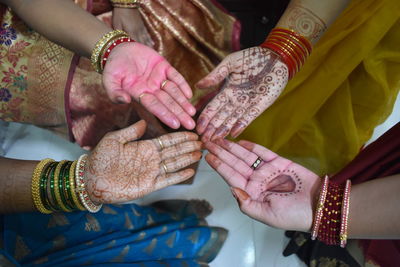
pixel 98 50
pixel 35 186
pixel 73 188
pixel 298 41
pixel 135 6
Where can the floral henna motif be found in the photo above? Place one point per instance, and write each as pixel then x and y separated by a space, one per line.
pixel 305 22
pixel 279 183
pixel 256 79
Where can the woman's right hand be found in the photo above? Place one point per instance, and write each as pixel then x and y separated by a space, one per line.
pixel 121 169
pixel 134 70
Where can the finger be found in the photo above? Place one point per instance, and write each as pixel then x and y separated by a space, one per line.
pixel 181 148
pixel 216 76
pixel 171 139
pixel 177 78
pixel 266 154
pixel 182 161
pixel 232 177
pixel 244 121
pixel 223 114
pixel 172 89
pixel 226 127
pixel 153 105
pixel 130 133
pixel 184 118
pixel 242 153
pixel 210 110
pixel 165 180
pixel 228 158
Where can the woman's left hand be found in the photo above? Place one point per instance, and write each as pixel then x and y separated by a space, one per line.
pixel 277 192
pixel 121 168
pixel 130 20
pixel 135 70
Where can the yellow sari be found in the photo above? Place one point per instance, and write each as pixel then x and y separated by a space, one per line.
pixel 347 87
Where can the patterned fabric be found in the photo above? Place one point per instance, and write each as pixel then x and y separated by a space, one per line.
pixel 116 236
pixel 46 85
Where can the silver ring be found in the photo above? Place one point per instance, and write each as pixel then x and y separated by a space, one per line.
pixel 161 144
pixel 163 84
pixel 256 163
pixel 164 166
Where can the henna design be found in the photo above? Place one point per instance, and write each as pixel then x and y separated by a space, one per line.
pixel 305 22
pixel 280 183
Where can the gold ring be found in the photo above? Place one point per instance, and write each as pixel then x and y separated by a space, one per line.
pixel 164 166
pixel 161 144
pixel 163 84
pixel 140 97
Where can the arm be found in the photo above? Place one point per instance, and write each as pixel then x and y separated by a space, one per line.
pixel 15 190
pixel 255 77
pixel 133 70
pixel 374 209
pixel 283 194
pixel 71 26
pixel 119 169
pixel 311 18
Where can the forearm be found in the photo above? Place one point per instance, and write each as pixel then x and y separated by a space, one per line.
pixel 62 22
pixel 15 180
pixel 374 211
pixel 311 18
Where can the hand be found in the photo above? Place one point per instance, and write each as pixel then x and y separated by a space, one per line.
pixel 255 79
pixel 279 193
pixel 135 70
pixel 130 20
pixel 121 169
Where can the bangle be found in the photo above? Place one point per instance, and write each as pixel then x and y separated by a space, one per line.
pixel 63 177
pixel 320 208
pixel 345 214
pixel 101 44
pixel 292 48
pixel 72 191
pixel 81 187
pixel 125 3
pixel 56 188
pixel 110 47
pixel 43 184
pixel 35 186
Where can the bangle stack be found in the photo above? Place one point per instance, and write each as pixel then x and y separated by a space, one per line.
pixel 55 188
pixel 292 47
pixel 331 215
pixel 125 3
pixel 104 46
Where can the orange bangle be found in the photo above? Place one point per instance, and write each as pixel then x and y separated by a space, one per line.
pixel 289 50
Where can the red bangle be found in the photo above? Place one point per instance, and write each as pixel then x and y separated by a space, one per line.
pixel 111 46
pixel 320 208
pixel 285 58
pixel 345 214
pixel 302 39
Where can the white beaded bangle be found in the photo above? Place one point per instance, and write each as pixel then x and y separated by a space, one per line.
pixel 81 187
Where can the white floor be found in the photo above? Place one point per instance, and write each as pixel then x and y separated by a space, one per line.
pixel 249 244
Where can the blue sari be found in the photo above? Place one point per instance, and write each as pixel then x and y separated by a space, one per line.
pixel 170 233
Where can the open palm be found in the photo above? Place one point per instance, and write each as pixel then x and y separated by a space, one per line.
pixel 121 169
pixel 255 77
pixel 135 70
pixel 278 192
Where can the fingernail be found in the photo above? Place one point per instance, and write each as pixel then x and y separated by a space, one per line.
pixel 175 124
pixel 200 123
pixel 192 111
pixel 237 131
pixel 220 133
pixel 233 192
pixel 240 194
pixel 120 100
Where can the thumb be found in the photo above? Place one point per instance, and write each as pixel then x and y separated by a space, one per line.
pixel 130 133
pixel 240 195
pixel 216 76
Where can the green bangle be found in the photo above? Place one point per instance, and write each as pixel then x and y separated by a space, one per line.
pixel 43 185
pixel 64 176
